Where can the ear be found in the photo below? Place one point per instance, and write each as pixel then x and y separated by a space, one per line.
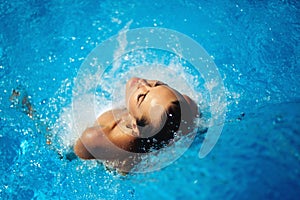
pixel 192 105
pixel 134 126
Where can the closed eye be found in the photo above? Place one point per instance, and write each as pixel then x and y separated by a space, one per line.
pixel 141 97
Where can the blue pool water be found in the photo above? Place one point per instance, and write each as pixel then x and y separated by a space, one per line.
pixel 255 45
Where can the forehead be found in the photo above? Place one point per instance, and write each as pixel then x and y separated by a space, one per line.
pixel 157 103
pixel 162 95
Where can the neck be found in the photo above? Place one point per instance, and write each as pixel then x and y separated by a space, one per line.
pixel 125 123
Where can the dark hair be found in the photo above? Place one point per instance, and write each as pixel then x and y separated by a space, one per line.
pixel 162 138
pixel 142 122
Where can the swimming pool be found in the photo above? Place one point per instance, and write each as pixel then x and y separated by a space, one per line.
pixel 256 48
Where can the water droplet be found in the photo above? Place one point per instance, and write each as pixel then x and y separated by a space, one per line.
pixel 43 101
pixel 278 119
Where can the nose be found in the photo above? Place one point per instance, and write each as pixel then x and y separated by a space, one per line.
pixel 133 81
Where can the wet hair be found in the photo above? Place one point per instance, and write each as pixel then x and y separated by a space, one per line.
pixel 142 122
pixel 162 138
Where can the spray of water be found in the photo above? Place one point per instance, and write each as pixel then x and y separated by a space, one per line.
pixel 158 54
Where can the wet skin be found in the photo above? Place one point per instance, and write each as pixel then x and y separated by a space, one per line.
pixel 116 131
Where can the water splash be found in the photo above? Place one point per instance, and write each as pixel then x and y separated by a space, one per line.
pixel 122 42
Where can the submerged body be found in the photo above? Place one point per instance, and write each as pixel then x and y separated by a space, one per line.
pixel 154 113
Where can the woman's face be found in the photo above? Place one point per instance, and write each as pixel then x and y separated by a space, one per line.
pixel 149 100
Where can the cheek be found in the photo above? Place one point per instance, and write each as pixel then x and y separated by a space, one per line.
pixel 129 99
pixel 127 96
pixel 131 106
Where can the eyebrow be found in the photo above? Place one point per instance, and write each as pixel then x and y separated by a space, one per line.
pixel 159 83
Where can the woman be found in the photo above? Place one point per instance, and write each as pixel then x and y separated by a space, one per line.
pixel 153 114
